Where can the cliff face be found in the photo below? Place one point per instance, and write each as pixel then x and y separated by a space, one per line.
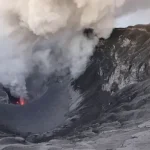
pixel 121 67
pixel 112 94
pixel 122 59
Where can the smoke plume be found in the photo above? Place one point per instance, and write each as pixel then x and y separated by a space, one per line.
pixel 48 34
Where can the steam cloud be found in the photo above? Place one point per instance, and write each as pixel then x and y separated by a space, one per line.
pixel 48 34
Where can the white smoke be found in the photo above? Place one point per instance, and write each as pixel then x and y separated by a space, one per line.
pixel 48 34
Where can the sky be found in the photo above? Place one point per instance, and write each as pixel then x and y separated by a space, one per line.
pixel 138 17
pixel 133 12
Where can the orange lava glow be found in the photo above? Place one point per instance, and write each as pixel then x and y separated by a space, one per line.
pixel 21 101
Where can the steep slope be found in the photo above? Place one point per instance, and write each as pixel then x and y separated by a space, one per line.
pixel 115 85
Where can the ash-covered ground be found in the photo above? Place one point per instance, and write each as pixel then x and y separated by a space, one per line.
pixel 106 108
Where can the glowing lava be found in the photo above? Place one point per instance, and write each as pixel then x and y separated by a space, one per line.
pixel 21 101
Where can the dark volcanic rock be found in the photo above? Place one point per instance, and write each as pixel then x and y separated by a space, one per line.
pixel 120 65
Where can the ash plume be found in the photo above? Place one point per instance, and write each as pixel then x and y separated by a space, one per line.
pixel 48 34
